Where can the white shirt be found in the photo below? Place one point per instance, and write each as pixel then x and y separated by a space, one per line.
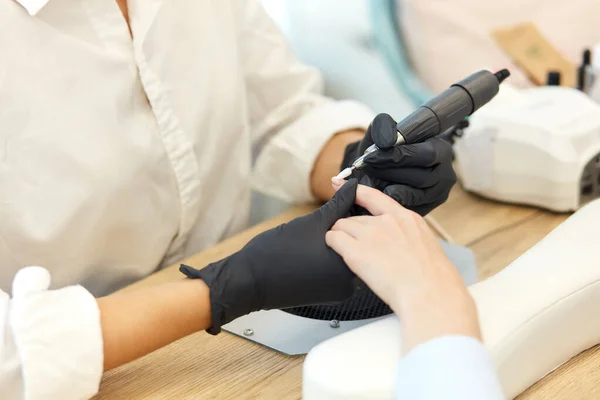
pixel 121 155
pixel 449 368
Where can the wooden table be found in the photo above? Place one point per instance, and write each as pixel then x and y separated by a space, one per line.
pixel 227 367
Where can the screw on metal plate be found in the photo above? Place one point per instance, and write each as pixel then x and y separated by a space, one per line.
pixel 334 323
pixel 248 332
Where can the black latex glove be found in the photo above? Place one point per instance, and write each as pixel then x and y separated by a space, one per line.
pixel 288 266
pixel 418 176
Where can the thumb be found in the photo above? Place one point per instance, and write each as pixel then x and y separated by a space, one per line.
pixel 340 205
pixel 383 131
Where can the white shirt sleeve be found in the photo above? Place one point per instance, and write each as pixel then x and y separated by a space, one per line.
pixel 50 341
pixel 290 118
pixel 450 367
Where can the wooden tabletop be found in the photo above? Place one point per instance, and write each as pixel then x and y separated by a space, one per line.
pixel 227 367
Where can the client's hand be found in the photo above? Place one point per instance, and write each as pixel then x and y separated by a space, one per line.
pixel 287 266
pixel 398 257
pixel 418 176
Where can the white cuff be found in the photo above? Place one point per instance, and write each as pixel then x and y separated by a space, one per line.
pixel 450 367
pixel 58 337
pixel 284 166
pixel 33 6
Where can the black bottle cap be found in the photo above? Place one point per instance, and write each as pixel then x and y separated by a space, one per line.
pixel 587 57
pixel 553 78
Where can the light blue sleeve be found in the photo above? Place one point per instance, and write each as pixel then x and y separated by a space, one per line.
pixel 449 368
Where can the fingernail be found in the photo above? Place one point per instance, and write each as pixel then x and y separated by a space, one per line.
pixel 335 181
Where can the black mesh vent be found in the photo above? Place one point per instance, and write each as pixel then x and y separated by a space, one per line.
pixel 590 180
pixel 364 304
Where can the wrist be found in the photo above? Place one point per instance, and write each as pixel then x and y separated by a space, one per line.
pixel 197 292
pixel 416 301
pixel 138 322
pixel 428 313
pixel 230 289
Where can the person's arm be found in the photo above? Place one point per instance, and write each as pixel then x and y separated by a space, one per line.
pixel 292 123
pixel 57 343
pixel 138 322
pixel 397 256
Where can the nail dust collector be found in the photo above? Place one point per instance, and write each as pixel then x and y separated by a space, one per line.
pixel 297 330
pixel 538 146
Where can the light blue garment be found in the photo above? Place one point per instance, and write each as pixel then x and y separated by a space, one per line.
pixel 449 368
pixel 387 36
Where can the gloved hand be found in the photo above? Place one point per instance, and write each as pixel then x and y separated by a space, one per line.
pixel 288 266
pixel 418 176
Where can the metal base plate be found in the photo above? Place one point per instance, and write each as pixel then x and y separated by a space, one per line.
pixel 294 336
pixel 287 333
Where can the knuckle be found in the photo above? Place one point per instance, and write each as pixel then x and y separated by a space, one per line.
pixel 412 218
pixel 444 149
pixel 329 236
pixel 388 220
pixel 432 179
pixel 341 224
pixel 429 153
pixel 370 230
pixel 420 221
pixel 379 238
pixel 416 218
pixel 452 176
pixel 443 178
pixel 448 173
pixel 403 215
pixel 444 197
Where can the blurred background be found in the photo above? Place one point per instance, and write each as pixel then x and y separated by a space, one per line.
pixel 337 37
pixel 393 55
pixel 372 49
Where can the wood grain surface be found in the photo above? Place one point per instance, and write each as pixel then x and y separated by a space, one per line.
pixel 227 367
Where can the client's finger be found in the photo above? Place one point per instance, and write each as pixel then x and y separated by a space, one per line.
pixel 376 202
pixel 337 183
pixel 342 243
pixel 351 226
pixel 362 219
